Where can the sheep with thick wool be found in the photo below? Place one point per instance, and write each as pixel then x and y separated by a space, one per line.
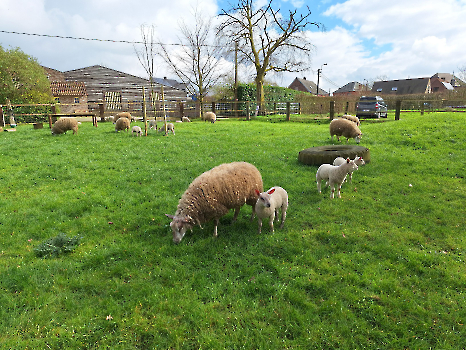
pixel 62 125
pixel 268 205
pixel 334 175
pixel 353 118
pixel 122 124
pixel 346 128
pixel 136 130
pixel 213 193
pixel 357 160
pixel 123 115
pixel 209 116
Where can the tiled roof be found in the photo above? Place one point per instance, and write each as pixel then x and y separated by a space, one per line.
pixel 68 88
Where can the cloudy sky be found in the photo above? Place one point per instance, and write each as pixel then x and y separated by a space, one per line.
pixel 363 40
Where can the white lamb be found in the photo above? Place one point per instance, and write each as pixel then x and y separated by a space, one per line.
pixel 268 203
pixel 185 120
pixel 170 127
pixel 357 160
pixel 136 129
pixel 334 175
pixel 153 124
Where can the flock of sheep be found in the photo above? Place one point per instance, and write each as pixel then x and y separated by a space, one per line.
pixel 231 185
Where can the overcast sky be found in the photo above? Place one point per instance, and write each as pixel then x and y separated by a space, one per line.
pixel 363 40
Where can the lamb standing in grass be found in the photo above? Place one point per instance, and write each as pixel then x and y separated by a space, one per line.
pixel 185 120
pixel 153 124
pixel 268 203
pixel 212 194
pixel 357 160
pixel 209 116
pixel 136 129
pixel 170 127
pixel 353 118
pixel 122 124
pixel 344 127
pixel 334 175
pixel 62 125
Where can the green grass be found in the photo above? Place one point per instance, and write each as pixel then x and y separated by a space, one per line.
pixel 380 268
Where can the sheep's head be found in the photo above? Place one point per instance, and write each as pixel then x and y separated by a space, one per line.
pixel 179 226
pixel 264 197
pixel 358 138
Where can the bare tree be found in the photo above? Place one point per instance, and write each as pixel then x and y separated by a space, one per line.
pixel 268 40
pixel 195 61
pixel 146 55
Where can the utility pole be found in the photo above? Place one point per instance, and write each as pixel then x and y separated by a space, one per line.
pixel 318 77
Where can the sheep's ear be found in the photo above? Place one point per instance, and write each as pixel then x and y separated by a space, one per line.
pixel 347 160
pixel 272 190
pixel 257 191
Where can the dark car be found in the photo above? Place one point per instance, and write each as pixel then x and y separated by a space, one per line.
pixel 371 107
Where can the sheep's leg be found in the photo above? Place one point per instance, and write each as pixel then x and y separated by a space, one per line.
pixel 318 185
pixel 283 217
pixel 253 212
pixel 215 227
pixel 260 224
pixel 339 188
pixel 271 219
pixel 236 214
pixel 332 193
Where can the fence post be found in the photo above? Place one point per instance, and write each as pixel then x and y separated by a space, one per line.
pixel 101 112
pixel 2 118
pixel 181 111
pixel 422 107
pixel 213 107
pixel 398 110
pixel 288 110
pixel 347 107
pixel 332 109
pixel 248 116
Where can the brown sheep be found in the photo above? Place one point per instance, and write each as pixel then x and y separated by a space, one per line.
pixel 62 125
pixel 122 124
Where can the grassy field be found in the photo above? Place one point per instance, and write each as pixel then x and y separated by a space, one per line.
pixel 380 268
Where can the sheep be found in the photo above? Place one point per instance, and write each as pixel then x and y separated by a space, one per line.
pixel 122 124
pixel 334 175
pixel 357 160
pixel 268 203
pixel 209 116
pixel 212 194
pixel 185 120
pixel 153 124
pixel 353 118
pixel 123 115
pixel 136 129
pixel 62 125
pixel 110 118
pixel 170 127
pixel 344 127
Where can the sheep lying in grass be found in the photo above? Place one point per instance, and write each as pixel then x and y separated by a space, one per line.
pixel 136 129
pixel 269 203
pixel 62 125
pixel 185 120
pixel 212 194
pixel 334 175
pixel 170 127
pixel 123 115
pixel 209 116
pixel 153 124
pixel 122 124
pixel 353 118
pixel 344 127
pixel 357 160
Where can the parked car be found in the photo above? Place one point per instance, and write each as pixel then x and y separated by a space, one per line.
pixel 371 107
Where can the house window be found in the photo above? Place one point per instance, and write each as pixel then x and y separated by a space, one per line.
pixel 394 88
pixel 76 100
pixel 379 90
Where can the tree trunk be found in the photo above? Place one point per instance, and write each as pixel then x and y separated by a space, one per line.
pixel 260 93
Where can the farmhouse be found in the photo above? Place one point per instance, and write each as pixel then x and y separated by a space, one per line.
pixel 305 85
pixel 353 88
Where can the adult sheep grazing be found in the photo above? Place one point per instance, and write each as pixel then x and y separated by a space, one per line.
pixel 353 118
pixel 62 125
pixel 185 120
pixel 357 160
pixel 269 203
pixel 334 175
pixel 123 115
pixel 170 127
pixel 344 127
pixel 209 116
pixel 122 124
pixel 212 194
pixel 153 124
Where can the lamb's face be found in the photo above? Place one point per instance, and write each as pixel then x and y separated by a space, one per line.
pixel 358 138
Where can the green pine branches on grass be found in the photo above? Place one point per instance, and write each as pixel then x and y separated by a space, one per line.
pixel 380 268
